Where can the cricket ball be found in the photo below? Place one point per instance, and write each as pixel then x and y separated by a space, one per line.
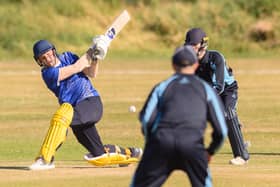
pixel 132 108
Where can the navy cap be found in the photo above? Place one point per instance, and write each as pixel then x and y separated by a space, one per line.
pixel 40 47
pixel 195 36
pixel 184 56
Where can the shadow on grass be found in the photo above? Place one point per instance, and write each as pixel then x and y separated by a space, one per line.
pixel 94 167
pixel 254 153
pixel 14 168
pixel 265 154
pixel 61 164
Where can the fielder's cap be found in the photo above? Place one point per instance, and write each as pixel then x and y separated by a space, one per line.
pixel 40 47
pixel 195 36
pixel 184 56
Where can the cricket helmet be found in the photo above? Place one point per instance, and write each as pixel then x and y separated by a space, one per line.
pixel 40 47
pixel 184 56
pixel 195 36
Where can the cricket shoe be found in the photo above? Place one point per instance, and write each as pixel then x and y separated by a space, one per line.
pixel 136 152
pixel 107 160
pixel 115 159
pixel 40 164
pixel 238 161
pixel 88 156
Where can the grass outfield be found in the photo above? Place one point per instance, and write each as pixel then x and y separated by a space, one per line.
pixel 27 106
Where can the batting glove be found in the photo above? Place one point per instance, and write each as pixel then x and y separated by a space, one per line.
pixel 100 45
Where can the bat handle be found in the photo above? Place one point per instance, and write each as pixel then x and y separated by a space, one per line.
pixel 99 52
pixel 96 52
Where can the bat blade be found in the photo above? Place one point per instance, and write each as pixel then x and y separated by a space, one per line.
pixel 118 25
pixel 112 31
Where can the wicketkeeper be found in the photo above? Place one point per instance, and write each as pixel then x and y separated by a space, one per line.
pixel 67 76
pixel 213 69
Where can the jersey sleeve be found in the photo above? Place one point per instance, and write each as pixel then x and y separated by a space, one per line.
pixel 219 73
pixel 149 111
pixel 215 115
pixel 50 76
pixel 150 114
pixel 69 57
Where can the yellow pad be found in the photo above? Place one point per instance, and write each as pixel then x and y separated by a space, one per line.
pixel 109 159
pixel 57 132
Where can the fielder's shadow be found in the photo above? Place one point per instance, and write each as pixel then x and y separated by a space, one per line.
pixel 92 167
pixel 265 154
pixel 14 168
pixel 254 153
pixel 23 168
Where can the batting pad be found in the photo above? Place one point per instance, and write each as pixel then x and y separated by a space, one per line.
pixel 235 135
pixel 111 159
pixel 57 132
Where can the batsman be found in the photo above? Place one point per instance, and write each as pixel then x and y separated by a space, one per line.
pixel 67 76
pixel 214 70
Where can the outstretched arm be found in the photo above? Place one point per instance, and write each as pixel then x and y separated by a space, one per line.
pixel 80 65
pixel 92 70
pixel 87 63
pixel 97 52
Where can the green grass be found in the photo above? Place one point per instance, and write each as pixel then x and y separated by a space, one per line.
pixel 156 27
pixel 27 106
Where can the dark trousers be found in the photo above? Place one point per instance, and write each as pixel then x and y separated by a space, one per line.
pixel 168 150
pixel 86 114
pixel 229 98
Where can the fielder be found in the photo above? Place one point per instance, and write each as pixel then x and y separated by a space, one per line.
pixel 174 120
pixel 67 76
pixel 213 69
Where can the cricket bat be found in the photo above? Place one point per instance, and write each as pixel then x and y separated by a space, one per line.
pixel 112 31
pixel 117 25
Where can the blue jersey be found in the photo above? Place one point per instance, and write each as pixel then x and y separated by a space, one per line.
pixel 72 89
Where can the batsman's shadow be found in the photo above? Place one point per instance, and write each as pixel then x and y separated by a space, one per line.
pixel 14 168
pixel 255 153
pixel 264 154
